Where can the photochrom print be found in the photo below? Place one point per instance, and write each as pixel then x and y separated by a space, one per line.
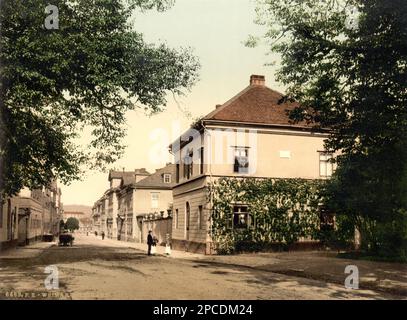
pixel 227 150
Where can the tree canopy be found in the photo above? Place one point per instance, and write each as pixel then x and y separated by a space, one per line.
pixel 346 63
pixel 58 84
pixel 72 224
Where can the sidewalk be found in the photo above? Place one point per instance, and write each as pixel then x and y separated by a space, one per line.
pixel 26 252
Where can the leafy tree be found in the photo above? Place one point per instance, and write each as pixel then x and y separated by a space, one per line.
pixel 72 224
pixel 346 62
pixel 78 80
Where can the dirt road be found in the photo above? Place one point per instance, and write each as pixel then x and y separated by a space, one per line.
pixel 93 269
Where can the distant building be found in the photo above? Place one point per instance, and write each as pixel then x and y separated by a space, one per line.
pixel 30 216
pixel 72 214
pixel 134 200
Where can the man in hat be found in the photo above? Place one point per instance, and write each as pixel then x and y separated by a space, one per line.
pixel 150 242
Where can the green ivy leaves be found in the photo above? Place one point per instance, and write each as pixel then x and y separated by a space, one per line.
pixel 282 210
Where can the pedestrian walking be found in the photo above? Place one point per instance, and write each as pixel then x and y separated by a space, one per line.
pixel 150 242
pixel 103 235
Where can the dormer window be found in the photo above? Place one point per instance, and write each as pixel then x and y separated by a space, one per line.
pixel 167 178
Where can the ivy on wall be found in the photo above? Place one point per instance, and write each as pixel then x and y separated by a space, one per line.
pixel 281 210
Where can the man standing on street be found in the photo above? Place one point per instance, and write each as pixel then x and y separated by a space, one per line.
pixel 149 242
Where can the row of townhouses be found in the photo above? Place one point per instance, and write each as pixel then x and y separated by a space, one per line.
pixel 250 135
pixel 30 216
pixel 135 199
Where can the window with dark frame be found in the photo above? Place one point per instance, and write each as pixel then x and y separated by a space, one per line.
pixel 201 221
pixel 188 165
pixel 241 160
pixel 241 217
pixel 177 173
pixel 327 220
pixel 185 168
pixel 201 167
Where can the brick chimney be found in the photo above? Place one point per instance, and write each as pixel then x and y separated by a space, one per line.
pixel 218 106
pixel 257 80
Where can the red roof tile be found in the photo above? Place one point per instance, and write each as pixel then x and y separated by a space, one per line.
pixel 256 104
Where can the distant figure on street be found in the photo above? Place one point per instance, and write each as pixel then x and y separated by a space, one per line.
pixel 96 233
pixel 103 235
pixel 150 242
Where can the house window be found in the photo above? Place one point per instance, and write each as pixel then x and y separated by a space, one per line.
pixel 327 220
pixel 201 218
pixel 154 200
pixel 176 218
pixel 241 160
pixel 201 167
pixel 129 223
pixel 188 165
pixel 167 178
pixel 241 217
pixel 177 173
pixel 325 164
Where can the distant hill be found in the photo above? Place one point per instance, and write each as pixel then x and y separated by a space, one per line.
pixel 87 210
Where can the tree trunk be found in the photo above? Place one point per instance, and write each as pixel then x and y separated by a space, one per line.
pixel 2 128
pixel 2 154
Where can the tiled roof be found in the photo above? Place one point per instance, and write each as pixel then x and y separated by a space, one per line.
pixel 156 180
pixel 128 179
pixel 127 174
pixel 119 174
pixel 256 104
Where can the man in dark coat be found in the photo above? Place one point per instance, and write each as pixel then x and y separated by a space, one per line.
pixel 150 242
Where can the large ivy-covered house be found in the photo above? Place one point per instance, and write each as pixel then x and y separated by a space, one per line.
pixel 250 136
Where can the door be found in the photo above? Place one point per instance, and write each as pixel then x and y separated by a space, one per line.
pixel 187 220
pixel 22 229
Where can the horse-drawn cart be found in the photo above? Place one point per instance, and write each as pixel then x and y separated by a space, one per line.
pixel 66 239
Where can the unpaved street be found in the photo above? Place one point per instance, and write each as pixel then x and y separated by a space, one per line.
pixel 96 269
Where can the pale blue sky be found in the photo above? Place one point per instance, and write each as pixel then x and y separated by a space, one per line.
pixel 216 30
